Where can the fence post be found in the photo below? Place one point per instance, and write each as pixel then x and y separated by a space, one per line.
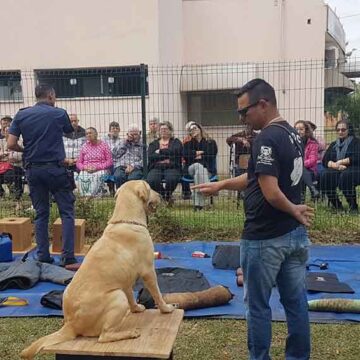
pixel 143 81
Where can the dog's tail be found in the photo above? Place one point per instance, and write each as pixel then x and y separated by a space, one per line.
pixel 64 334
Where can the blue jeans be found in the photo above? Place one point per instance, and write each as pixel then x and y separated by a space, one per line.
pixel 54 180
pixel 121 176
pixel 265 263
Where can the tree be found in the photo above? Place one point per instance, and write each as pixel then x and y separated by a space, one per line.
pixel 348 105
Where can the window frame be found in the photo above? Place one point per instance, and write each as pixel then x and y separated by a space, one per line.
pixel 107 82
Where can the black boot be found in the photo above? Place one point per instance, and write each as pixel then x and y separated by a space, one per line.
pixel 336 203
pixel 353 206
pixel 315 194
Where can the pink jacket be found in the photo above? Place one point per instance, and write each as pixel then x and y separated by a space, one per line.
pixel 98 155
pixel 311 155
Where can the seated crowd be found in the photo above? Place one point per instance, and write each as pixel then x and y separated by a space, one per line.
pixel 112 160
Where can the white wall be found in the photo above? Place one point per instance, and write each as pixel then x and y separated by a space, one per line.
pixel 80 33
pixel 222 31
pixel 247 36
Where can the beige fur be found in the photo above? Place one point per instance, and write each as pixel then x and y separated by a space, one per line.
pixel 100 294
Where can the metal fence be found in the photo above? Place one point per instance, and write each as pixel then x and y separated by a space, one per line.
pixel 131 96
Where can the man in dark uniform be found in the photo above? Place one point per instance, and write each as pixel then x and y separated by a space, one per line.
pixel 41 127
pixel 274 245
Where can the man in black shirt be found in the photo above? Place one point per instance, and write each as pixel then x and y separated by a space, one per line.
pixel 274 244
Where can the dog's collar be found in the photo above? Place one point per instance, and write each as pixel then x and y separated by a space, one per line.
pixel 130 222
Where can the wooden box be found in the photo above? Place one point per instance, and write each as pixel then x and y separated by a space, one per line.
pixel 20 230
pixel 80 247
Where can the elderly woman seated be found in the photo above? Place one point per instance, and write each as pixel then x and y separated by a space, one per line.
pixel 11 171
pixel 165 162
pixel 94 163
pixel 200 160
pixel 342 167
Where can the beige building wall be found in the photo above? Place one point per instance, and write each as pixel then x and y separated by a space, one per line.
pixel 248 37
pixel 80 33
pixel 260 39
pixel 223 31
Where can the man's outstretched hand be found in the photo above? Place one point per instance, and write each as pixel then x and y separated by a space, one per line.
pixel 207 189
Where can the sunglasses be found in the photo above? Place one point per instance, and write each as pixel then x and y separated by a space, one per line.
pixel 341 129
pixel 243 112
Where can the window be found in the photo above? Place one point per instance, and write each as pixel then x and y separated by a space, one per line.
pixel 94 82
pixel 213 108
pixel 10 85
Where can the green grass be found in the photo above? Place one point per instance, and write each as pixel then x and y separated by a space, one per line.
pixel 221 221
pixel 200 339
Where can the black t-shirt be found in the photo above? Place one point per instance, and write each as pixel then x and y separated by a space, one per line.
pixel 274 153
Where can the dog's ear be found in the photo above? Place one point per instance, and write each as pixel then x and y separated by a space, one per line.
pixel 143 191
pixel 116 194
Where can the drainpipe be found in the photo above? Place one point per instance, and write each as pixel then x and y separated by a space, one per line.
pixel 282 41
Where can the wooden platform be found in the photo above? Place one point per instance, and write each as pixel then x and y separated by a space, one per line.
pixel 158 334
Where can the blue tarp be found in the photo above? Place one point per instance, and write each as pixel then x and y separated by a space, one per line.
pixel 343 260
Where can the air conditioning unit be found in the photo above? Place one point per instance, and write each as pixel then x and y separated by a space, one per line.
pixel 331 57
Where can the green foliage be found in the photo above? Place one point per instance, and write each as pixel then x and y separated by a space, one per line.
pixel 349 105
pixel 95 212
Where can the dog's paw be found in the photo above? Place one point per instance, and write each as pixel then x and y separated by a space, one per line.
pixel 167 308
pixel 137 308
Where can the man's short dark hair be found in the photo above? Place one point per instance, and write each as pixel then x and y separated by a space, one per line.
pixel 43 90
pixel 258 89
pixel 7 118
pixel 114 124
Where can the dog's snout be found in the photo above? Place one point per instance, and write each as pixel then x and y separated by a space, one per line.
pixel 155 197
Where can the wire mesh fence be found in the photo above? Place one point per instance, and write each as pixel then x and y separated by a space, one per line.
pixel 141 119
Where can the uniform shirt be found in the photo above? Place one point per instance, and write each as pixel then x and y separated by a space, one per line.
pixel 274 153
pixel 42 127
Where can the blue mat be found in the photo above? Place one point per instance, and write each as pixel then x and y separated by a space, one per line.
pixel 343 260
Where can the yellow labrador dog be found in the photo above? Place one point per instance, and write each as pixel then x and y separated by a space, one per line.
pixel 100 294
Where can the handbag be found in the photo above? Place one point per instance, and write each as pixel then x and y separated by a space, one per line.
pixel 5 166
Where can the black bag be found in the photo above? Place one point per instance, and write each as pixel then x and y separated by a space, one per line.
pixel 326 282
pixel 226 257
pixel 53 299
pixel 174 280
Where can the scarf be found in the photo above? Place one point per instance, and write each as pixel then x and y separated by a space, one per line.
pixel 341 147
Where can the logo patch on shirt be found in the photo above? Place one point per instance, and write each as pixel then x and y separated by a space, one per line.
pixel 265 156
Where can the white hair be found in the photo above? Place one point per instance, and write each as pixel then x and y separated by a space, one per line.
pixel 133 127
pixel 154 119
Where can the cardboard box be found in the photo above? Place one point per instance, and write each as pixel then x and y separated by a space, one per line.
pixel 80 247
pixel 20 230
